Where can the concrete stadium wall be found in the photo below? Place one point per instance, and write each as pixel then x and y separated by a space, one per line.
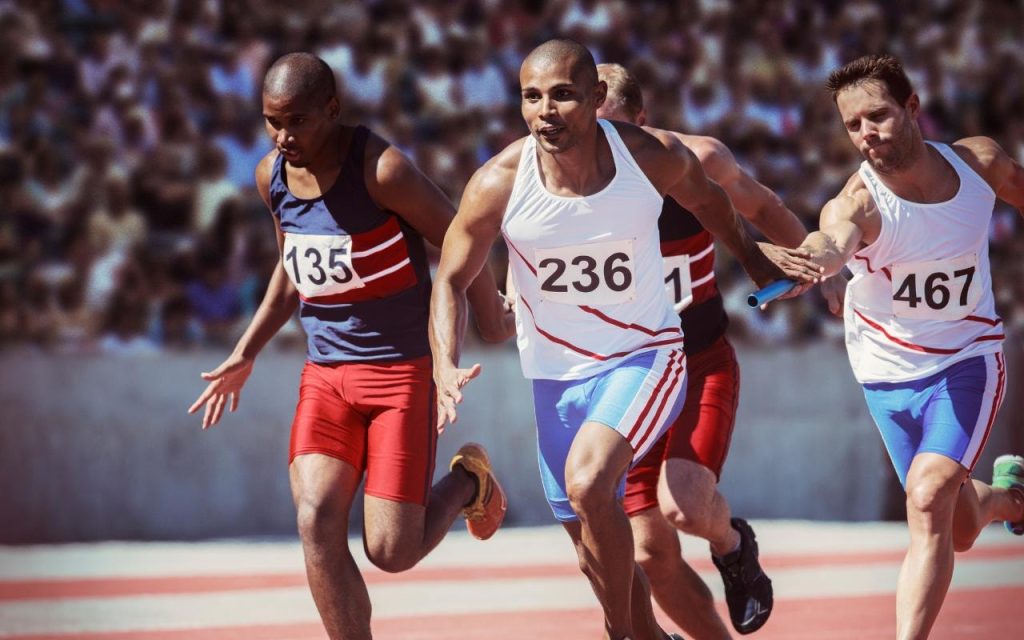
pixel 98 448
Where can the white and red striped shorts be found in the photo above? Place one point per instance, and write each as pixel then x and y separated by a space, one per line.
pixel 639 398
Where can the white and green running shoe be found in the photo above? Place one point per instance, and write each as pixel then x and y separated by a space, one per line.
pixel 1008 473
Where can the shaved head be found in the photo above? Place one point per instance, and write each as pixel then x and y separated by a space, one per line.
pixel 583 68
pixel 300 76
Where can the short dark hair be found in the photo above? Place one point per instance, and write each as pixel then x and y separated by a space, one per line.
pixel 880 67
pixel 300 75
pixel 623 87
pixel 583 67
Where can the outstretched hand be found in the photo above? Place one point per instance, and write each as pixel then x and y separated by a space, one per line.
pixel 226 383
pixel 795 263
pixel 450 381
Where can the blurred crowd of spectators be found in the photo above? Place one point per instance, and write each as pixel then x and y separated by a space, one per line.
pixel 130 129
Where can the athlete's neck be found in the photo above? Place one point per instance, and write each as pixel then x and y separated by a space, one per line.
pixel 315 178
pixel 583 170
pixel 928 179
pixel 331 154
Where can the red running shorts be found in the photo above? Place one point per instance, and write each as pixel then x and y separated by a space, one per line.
pixel 376 417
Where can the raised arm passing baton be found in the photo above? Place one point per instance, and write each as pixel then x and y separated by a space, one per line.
pixel 771 292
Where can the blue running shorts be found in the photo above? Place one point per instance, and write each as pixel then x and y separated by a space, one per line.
pixel 950 412
pixel 640 398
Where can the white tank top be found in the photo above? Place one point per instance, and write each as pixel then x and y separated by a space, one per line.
pixel 587 269
pixel 921 295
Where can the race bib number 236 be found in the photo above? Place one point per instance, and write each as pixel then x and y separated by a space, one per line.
pixel 591 274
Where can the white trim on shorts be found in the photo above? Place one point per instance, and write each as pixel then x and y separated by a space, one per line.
pixel 992 399
pixel 646 419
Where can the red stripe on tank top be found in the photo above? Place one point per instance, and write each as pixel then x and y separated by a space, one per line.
pixel 380 234
pixel 989 321
pixel 591 354
pixel 885 270
pixel 521 256
pixel 687 246
pixel 624 325
pixel 917 347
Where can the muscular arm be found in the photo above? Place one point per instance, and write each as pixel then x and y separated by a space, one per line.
pixel 397 185
pixel 281 299
pixel 754 201
pixel 1004 174
pixel 463 256
pixel 279 302
pixel 682 178
pixel 843 222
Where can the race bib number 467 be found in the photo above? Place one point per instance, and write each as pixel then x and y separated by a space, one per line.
pixel 591 274
pixel 320 265
pixel 936 290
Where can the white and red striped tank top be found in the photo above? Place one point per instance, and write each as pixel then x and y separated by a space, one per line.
pixel 921 295
pixel 587 270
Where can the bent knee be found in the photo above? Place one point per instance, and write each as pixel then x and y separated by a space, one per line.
pixel 318 519
pixel 590 492
pixel 391 558
pixel 654 559
pixel 962 543
pixel 688 518
pixel 928 497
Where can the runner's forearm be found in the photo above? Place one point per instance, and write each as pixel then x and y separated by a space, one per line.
pixel 277 307
pixel 825 252
pixel 448 311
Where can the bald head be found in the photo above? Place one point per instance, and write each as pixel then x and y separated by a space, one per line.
pixel 624 96
pixel 560 50
pixel 300 76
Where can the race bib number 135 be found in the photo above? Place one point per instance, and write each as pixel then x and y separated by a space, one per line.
pixel 592 274
pixel 937 289
pixel 320 265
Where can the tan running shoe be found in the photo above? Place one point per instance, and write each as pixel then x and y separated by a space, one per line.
pixel 487 510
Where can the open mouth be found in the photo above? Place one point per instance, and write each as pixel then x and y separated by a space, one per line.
pixel 550 131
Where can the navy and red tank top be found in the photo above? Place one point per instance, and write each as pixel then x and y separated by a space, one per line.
pixel 361 272
pixel 686 245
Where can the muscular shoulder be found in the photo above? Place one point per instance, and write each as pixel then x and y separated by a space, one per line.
pixel 384 162
pixel 714 156
pixel 984 155
pixel 264 169
pixel 492 183
pixel 854 204
pixel 661 154
pixel 978 149
pixel 648 141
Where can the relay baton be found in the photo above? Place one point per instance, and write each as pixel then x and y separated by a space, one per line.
pixel 771 292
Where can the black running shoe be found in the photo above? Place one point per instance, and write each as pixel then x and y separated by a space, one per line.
pixel 748 591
